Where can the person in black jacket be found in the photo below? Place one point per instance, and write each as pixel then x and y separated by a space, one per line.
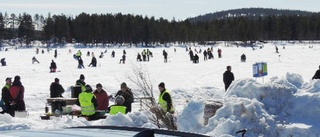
pixel 317 74
pixel 165 56
pixel 80 63
pixel 53 66
pixel 56 89
pixel 6 98
pixel 228 77
pixel 127 94
pixel 93 62
pixel 123 60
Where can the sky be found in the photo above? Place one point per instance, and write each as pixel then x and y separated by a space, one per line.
pixel 282 104
pixel 167 9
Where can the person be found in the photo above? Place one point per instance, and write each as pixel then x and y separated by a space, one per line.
pixel 205 55
pixel 3 62
pixel 191 54
pixel 127 94
pixel 317 74
pixel 93 62
pixel 80 83
pixel 88 103
pixel 219 53
pixel 277 50
pixel 55 53
pixel 37 51
pixel 17 94
pixel 102 98
pixel 53 66
pixel 79 54
pixel 56 89
pixel 80 63
pixel 148 54
pixel 34 59
pixel 165 56
pixel 144 54
pixel 101 55
pixel 228 77
pixel 139 57
pixel 79 87
pixel 196 58
pixel 118 107
pixel 243 58
pixel 88 53
pixel 123 60
pixel 165 100
pixel 6 98
pixel 113 54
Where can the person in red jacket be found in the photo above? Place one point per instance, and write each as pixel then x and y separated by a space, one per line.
pixel 17 94
pixel 102 98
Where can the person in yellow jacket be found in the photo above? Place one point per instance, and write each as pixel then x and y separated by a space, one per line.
pixel 165 100
pixel 88 103
pixel 118 107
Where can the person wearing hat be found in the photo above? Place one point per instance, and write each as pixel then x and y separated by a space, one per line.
pixel 102 98
pixel 165 100
pixel 317 74
pixel 88 103
pixel 6 98
pixel 118 107
pixel 127 94
pixel 17 94
pixel 56 89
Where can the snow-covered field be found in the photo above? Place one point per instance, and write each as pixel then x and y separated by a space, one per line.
pixel 284 103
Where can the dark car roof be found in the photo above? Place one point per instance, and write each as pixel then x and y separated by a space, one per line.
pixel 99 131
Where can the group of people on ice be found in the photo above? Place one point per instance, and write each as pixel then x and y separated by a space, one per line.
pixel 93 103
pixel 207 54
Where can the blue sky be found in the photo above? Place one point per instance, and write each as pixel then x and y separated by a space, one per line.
pixel 168 9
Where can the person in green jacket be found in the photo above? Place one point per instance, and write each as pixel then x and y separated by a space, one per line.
pixel 118 107
pixel 88 103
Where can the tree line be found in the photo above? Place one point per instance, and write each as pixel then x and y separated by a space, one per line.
pixel 136 29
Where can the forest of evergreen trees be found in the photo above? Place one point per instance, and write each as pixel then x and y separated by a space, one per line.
pixel 135 29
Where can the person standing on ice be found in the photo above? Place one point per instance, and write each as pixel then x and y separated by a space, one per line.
pixel 80 63
pixel 165 100
pixel 228 77
pixel 317 74
pixel 93 62
pixel 165 56
pixel 55 53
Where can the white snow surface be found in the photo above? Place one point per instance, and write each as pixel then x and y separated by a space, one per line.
pixel 284 103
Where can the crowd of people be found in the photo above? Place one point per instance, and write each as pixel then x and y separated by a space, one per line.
pixel 96 102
